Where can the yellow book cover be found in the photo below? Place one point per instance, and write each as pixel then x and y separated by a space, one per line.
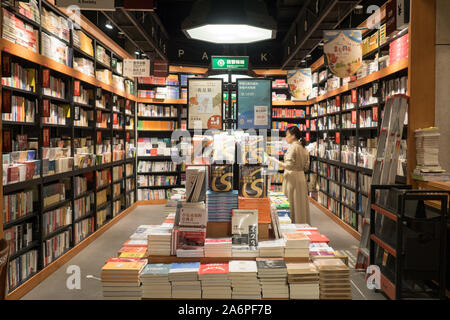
pixel 128 267
pixel 132 254
pixel 32 78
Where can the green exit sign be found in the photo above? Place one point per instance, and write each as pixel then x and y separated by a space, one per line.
pixel 229 63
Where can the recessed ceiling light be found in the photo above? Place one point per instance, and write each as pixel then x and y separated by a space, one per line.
pixel 137 52
pixel 109 25
pixel 303 61
pixel 308 56
pixel 229 33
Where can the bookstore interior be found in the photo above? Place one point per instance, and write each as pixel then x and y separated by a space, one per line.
pixel 221 150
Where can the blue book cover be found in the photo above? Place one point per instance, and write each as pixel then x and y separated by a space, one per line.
pixel 31 155
pixel 254 98
pixel 185 267
pixel 157 269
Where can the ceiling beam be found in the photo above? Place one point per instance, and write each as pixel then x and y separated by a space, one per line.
pixel 143 33
pixel 297 19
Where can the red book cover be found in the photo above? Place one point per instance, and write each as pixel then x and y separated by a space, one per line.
pixel 46 137
pixel 135 243
pixel 154 152
pixel 191 238
pixel 99 137
pixel 213 268
pixel 218 241
pixel 13 174
pixel 354 117
pixel 307 110
pixel 315 236
pixel 307 137
pixel 307 124
pixel 76 88
pixel 46 108
pixel 338 137
pixel 115 118
pixel 375 113
pixel 127 105
pixel 6 101
pixel 354 98
pixel 46 78
pixel 99 116
pixel 338 101
pixel 133 249
pixel 7 145
pixel 128 136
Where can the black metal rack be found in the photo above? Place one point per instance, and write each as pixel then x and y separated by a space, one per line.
pixel 408 241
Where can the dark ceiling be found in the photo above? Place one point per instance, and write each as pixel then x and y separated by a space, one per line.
pixel 159 33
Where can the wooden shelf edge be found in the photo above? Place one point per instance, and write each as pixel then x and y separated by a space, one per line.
pixel 37 58
pixel 336 219
pixel 384 212
pixel 149 202
pixel 55 265
pixel 162 101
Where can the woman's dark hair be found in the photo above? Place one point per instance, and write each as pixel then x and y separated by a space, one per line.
pixel 295 131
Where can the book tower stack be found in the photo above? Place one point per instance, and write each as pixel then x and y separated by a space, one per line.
pixel 215 280
pixel 303 279
pixel 159 240
pixel 334 280
pixel 218 247
pixel 220 204
pixel 272 274
pixel 272 248
pixel 184 280
pixel 120 280
pixel 155 281
pixel 297 245
pixel 244 281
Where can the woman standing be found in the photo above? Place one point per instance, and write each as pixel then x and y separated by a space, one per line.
pixel 296 162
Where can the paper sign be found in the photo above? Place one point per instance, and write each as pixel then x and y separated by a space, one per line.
pixel 343 51
pixel 136 67
pixel 105 5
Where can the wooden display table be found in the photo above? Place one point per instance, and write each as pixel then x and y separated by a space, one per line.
pixel 174 259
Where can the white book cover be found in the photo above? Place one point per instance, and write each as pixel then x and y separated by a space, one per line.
pixel 238 266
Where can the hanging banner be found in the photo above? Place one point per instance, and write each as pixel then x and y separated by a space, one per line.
pixel 205 100
pixel 136 67
pixel 104 5
pixel 254 101
pixel 343 51
pixel 300 83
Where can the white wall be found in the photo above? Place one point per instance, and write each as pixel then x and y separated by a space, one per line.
pixel 443 79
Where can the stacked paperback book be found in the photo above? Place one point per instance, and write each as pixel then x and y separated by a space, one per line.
pixel 155 281
pixel 272 248
pixel 159 241
pixel 184 280
pixel 220 205
pixel 215 280
pixel 297 245
pixel 272 274
pixel 334 280
pixel 303 279
pixel 120 280
pixel 190 229
pixel 220 247
pixel 261 204
pixel 244 280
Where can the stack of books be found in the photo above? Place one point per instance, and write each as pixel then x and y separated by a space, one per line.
pixel 272 248
pixel 244 251
pixel 297 245
pixel 260 204
pixel 220 205
pixel 272 274
pixel 184 280
pixel 190 229
pixel 303 279
pixel 159 240
pixel 142 232
pixel 139 252
pixel 120 280
pixel 218 247
pixel 334 277
pixel 244 281
pixel 155 281
pixel 320 250
pixel 215 280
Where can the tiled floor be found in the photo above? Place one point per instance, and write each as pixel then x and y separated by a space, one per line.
pixel 92 258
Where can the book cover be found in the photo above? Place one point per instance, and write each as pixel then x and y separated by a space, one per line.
pixel 252 182
pixel 126 267
pixel 244 227
pixel 239 266
pixel 22 141
pixel 99 137
pixel 123 259
pixel 271 264
pixel 99 116
pixel 221 178
pixel 6 65
pixel 6 101
pixel 133 249
pixel 46 108
pixel 76 88
pixel 7 143
pixel 157 269
pixel 46 137
pixel 213 268
pixel 46 78
pixel 191 238
pixel 185 267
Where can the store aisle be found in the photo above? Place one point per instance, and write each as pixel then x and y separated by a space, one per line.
pixel 92 258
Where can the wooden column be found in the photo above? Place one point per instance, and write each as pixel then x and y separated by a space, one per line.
pixel 421 77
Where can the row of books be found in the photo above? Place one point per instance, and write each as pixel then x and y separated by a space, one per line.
pixel 151 125
pixel 55 219
pixel 21 268
pixel 20 109
pixel 148 194
pixel 56 246
pixel 19 32
pixel 83 229
pixel 83 42
pixel 17 205
pixel 18 76
pixel 156 181
pixel 288 113
pixel 283 125
pixel 55 49
pixel 19 237
pixel 54 193
pixel 55 24
pixel 146 110
pixel 55 114
pixel 102 56
pixel 156 166
pixel 84 65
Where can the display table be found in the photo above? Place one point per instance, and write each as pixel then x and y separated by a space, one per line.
pixel 223 229
pixel 175 259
